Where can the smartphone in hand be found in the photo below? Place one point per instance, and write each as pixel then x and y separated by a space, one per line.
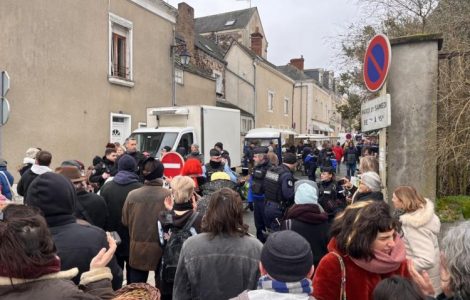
pixel 116 237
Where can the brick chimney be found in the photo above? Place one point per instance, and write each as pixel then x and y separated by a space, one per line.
pixel 257 42
pixel 185 26
pixel 298 62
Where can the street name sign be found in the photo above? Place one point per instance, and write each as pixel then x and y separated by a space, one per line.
pixel 5 83
pixel 4 111
pixel 173 162
pixel 376 113
pixel 377 62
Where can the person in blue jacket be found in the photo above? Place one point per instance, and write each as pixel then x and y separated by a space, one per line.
pixel 6 179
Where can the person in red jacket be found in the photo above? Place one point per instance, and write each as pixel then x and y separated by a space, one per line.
pixel 364 249
pixel 338 151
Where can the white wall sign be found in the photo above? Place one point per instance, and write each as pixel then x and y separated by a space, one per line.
pixel 376 113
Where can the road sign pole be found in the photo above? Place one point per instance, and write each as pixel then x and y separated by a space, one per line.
pixel 383 152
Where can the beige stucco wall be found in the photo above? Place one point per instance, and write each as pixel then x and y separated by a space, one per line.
pixel 196 90
pixel 269 80
pixel 56 52
pixel 253 24
pixel 323 104
pixel 300 115
pixel 239 79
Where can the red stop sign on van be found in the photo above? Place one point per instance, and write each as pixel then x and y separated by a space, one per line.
pixel 173 163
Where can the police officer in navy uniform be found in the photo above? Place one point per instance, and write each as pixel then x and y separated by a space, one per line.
pixel 331 194
pixel 279 191
pixel 256 190
pixel 214 165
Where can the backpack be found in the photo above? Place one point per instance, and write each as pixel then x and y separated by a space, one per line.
pixel 171 252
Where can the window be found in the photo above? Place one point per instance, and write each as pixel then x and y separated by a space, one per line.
pixel 219 86
pixel 286 106
pixel 247 124
pixel 179 76
pixel 270 101
pixel 185 143
pixel 229 22
pixel 120 50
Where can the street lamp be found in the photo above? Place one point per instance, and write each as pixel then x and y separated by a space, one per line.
pixel 185 57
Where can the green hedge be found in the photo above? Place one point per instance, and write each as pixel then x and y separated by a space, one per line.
pixel 453 208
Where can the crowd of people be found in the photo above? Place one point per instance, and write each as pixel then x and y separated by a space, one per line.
pixel 78 228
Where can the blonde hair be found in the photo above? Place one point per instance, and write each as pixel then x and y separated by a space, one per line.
pixel 369 164
pixel 411 199
pixel 182 188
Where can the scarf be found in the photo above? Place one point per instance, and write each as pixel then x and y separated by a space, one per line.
pixel 215 164
pixel 125 177
pixel 303 286
pixel 307 213
pixel 32 271
pixel 183 206
pixel 383 263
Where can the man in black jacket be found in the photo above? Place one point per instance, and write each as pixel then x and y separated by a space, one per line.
pixel 115 193
pixel 76 243
pixel 105 168
pixel 41 166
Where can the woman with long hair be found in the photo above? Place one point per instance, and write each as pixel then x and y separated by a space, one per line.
pixel 30 267
pixel 421 228
pixel 364 249
pixel 221 262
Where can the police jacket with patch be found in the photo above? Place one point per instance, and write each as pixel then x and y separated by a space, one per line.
pixel 279 185
pixel 331 197
pixel 259 173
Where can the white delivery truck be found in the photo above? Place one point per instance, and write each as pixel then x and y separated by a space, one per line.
pixel 180 126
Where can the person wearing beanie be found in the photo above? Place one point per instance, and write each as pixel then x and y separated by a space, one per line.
pixel 41 165
pixel 28 160
pixel 370 188
pixel 76 243
pixel 218 181
pixel 115 193
pixel 331 194
pixel 279 191
pixel 141 210
pixel 286 267
pixel 307 218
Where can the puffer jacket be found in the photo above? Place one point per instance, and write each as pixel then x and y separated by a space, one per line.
pixel 217 268
pixel 421 230
pixel 94 284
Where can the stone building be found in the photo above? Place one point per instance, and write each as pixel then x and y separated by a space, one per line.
pixel 82 72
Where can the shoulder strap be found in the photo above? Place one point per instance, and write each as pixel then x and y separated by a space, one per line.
pixel 191 221
pixel 8 182
pixel 343 276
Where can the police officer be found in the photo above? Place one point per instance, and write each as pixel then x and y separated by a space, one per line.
pixel 279 191
pixel 217 164
pixel 256 190
pixel 331 194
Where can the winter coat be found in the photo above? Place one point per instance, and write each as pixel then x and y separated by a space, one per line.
pixel 338 151
pixel 208 189
pixel 77 244
pixel 104 166
pixel 360 283
pixel 93 206
pixel 141 210
pixel 265 294
pixel 28 177
pixel 115 195
pixel 217 268
pixel 313 225
pixel 6 181
pixel 94 284
pixel 420 234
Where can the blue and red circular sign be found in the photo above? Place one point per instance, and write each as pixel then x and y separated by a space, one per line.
pixel 377 62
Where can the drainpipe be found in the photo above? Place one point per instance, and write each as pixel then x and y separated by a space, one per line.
pixel 255 62
pixel 292 107
pixel 173 83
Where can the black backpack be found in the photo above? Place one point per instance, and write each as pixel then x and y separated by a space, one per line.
pixel 171 252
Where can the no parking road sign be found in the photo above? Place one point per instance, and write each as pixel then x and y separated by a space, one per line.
pixel 377 62
pixel 173 163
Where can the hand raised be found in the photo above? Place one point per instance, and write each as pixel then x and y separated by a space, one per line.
pixel 104 256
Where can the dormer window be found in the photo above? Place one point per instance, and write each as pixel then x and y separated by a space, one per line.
pixel 229 22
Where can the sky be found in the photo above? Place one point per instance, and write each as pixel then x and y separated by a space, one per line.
pixel 311 28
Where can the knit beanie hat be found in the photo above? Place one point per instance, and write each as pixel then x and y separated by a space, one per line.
pixel 127 163
pixel 220 176
pixel 54 194
pixel 306 194
pixel 372 181
pixel 287 256
pixel 157 171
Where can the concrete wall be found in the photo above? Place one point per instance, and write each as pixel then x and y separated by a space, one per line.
pixel 56 52
pixel 196 90
pixel 270 80
pixel 239 79
pixel 412 83
pixel 322 105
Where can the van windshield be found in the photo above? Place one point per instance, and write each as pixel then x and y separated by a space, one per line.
pixel 153 142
